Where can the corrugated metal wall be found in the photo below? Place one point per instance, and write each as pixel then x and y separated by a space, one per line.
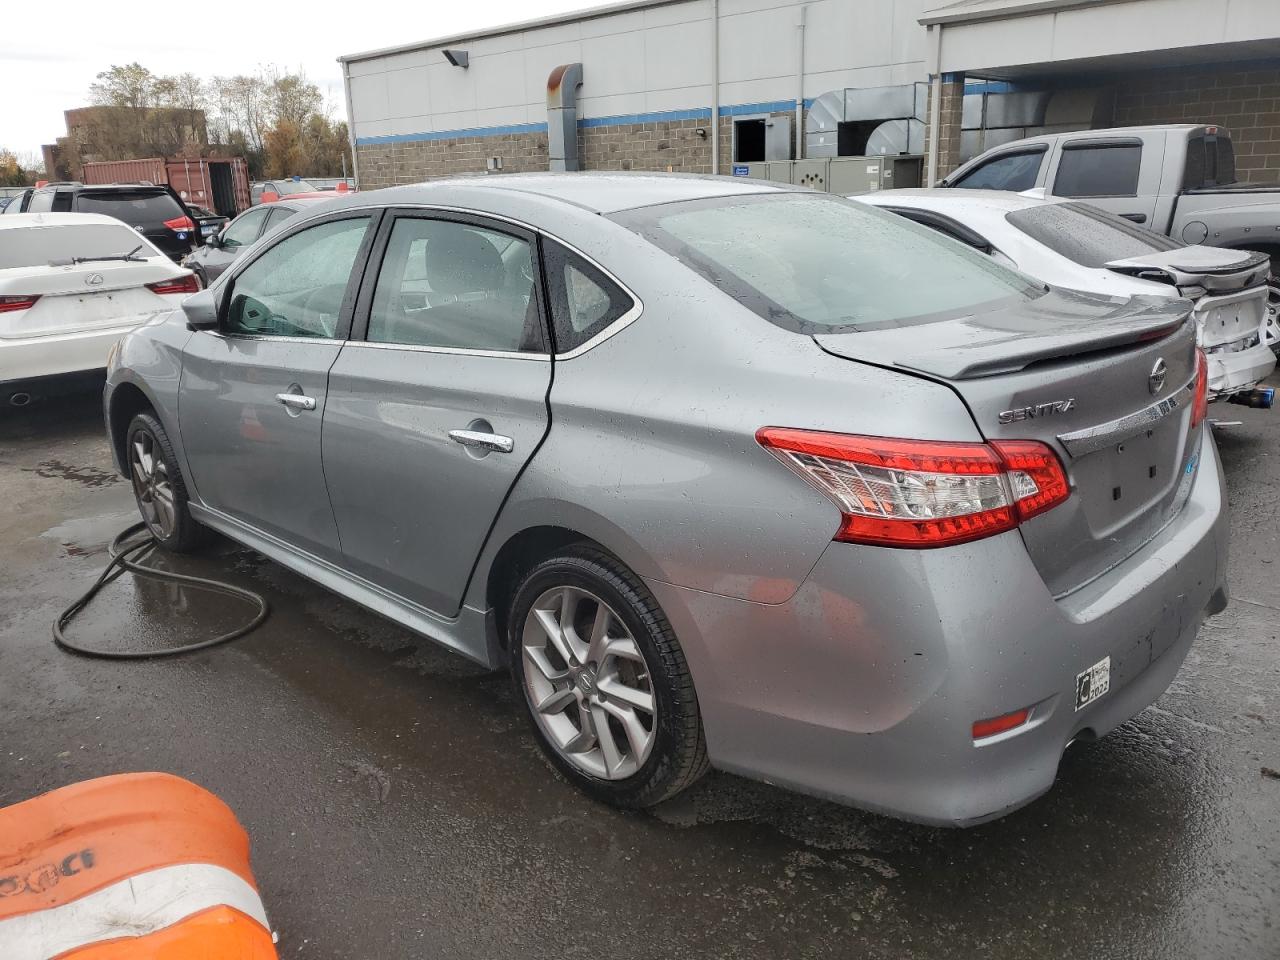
pixel 222 185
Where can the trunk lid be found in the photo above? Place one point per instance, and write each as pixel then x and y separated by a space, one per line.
pixel 71 299
pixel 1077 372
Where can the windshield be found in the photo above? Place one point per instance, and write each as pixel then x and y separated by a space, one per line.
pixel 821 264
pixel 39 245
pixel 286 187
pixel 1086 235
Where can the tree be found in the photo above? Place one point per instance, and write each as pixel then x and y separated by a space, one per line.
pixel 11 172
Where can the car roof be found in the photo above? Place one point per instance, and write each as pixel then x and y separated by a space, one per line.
pixel 598 192
pixel 56 220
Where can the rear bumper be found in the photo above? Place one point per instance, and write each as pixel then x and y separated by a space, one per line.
pixel 1233 372
pixel 60 353
pixel 863 687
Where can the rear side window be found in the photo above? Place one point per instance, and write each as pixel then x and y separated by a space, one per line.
pixel 456 285
pixel 137 208
pixel 276 217
pixel 583 300
pixel 1109 170
pixel 296 288
pixel 39 246
pixel 1012 171
pixel 819 264
pixel 1086 235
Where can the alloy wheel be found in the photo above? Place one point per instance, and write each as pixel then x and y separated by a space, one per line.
pixel 588 684
pixel 151 484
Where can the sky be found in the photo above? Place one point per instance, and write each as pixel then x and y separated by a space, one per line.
pixel 46 71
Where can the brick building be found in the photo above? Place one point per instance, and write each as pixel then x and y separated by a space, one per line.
pixel 702 85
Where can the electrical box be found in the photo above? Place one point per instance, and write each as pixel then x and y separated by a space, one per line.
pixel 756 171
pixel 850 176
pixel 814 174
pixel 780 170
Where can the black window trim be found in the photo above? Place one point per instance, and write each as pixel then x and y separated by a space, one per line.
pixel 1036 148
pixel 945 225
pixel 1100 143
pixel 225 285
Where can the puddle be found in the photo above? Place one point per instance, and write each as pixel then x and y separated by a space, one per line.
pixel 87 476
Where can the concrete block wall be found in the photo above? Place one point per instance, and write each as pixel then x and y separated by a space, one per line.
pixel 949 123
pixel 1244 99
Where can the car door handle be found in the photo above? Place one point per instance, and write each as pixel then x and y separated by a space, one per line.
pixel 297 401
pixel 485 441
pixel 1135 217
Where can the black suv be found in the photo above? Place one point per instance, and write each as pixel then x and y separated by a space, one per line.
pixel 156 212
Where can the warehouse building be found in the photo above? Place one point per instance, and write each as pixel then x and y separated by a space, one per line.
pixel 728 85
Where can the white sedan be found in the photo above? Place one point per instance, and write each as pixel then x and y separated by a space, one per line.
pixel 1071 244
pixel 72 284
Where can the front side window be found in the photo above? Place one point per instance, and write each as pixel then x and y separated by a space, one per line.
pixel 456 285
pixel 277 216
pixel 296 288
pixel 244 230
pixel 821 264
pixel 1012 171
pixel 1086 235
pixel 1099 171
pixel 583 300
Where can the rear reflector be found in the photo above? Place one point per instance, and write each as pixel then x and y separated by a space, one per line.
pixel 10 304
pixel 1200 406
pixel 917 493
pixel 1002 724
pixel 187 284
pixel 180 223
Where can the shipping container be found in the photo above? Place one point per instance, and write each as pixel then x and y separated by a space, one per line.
pixel 220 185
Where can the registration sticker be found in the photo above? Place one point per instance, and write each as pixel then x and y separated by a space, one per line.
pixel 1093 683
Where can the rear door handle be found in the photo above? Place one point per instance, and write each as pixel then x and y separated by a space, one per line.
pixel 1135 217
pixel 484 441
pixel 297 401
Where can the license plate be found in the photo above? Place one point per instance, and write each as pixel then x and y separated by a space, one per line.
pixel 1093 683
pixel 205 231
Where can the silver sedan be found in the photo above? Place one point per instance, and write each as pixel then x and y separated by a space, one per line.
pixel 729 474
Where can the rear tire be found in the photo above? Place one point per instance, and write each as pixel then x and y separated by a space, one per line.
pixel 159 488
pixel 604 681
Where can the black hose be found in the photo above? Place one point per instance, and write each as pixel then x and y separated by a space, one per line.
pixel 124 557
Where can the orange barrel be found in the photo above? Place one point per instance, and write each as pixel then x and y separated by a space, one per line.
pixel 140 865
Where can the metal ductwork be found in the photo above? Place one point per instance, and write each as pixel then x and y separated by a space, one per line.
pixel 876 121
pixel 562 116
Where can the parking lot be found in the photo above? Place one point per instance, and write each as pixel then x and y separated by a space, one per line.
pixel 398 806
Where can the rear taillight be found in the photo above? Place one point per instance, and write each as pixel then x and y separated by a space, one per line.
pixel 180 223
pixel 917 493
pixel 1200 406
pixel 10 304
pixel 187 284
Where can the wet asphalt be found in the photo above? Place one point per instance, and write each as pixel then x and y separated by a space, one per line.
pixel 398 807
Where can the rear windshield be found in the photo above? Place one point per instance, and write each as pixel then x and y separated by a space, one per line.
pixel 136 208
pixel 1086 235
pixel 40 245
pixel 821 264
pixel 285 187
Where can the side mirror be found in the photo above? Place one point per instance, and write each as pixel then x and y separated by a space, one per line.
pixel 213 240
pixel 201 310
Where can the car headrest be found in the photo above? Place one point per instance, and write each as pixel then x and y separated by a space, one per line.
pixel 462 261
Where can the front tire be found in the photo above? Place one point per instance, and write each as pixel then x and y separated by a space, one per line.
pixel 158 486
pixel 605 683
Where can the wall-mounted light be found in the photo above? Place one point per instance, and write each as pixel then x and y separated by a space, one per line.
pixel 459 58
pixel 700 132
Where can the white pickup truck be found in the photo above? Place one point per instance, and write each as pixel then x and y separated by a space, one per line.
pixel 1178 179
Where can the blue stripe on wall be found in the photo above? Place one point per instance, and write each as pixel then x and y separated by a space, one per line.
pixel 627 119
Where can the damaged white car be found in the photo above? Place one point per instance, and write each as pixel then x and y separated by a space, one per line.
pixel 1067 243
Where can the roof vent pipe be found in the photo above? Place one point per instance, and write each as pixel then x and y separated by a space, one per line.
pixel 562 116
